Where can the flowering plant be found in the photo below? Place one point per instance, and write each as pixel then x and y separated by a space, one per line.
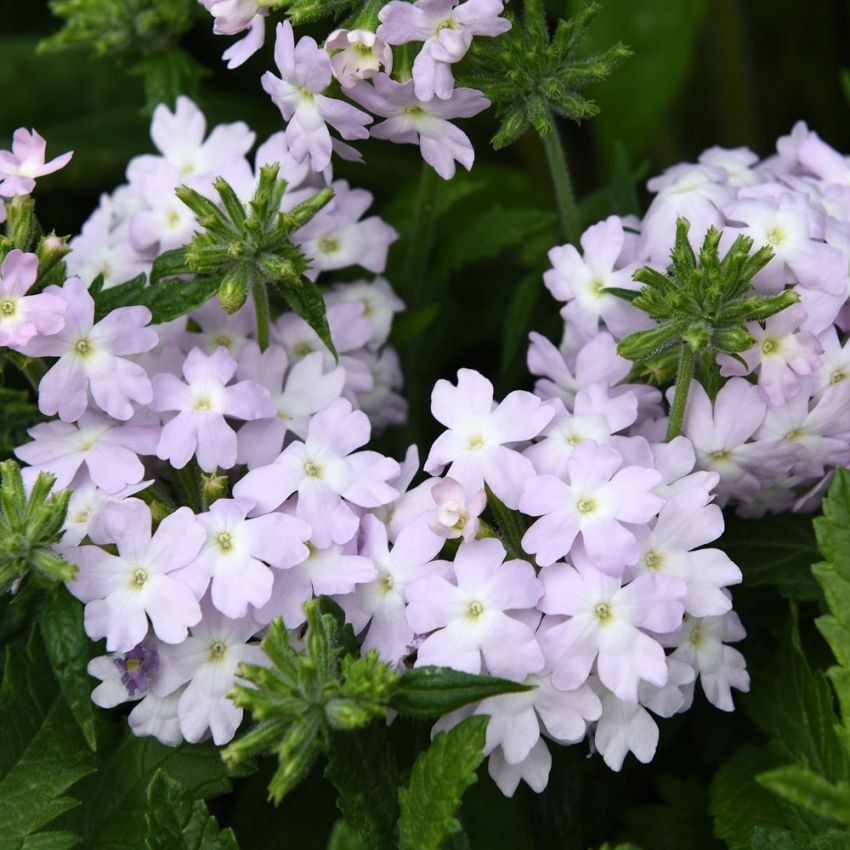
pixel 244 561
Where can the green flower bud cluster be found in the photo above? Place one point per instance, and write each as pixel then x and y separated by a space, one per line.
pixel 29 525
pixel 250 249
pixel 530 74
pixel 702 302
pixel 701 306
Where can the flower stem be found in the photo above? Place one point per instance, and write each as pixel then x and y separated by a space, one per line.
pixel 34 371
pixel 561 180
pixel 261 308
pixel 687 359
pixel 421 233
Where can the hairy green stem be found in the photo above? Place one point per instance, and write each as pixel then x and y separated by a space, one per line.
pixel 560 173
pixel 687 360
pixel 261 308
pixel 421 233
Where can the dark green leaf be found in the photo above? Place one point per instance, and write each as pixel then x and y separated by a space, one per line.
pixel 438 780
pixel 431 691
pixel 518 317
pixel 70 650
pixel 172 299
pixel 809 790
pixel 176 821
pixel 362 767
pixel 306 300
pixel 776 551
pixel 344 837
pixel 170 264
pixel 168 74
pixel 771 838
pixel 114 800
pixel 123 295
pixel 42 752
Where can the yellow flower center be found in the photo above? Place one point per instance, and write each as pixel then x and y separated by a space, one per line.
pixel 602 611
pixel 138 578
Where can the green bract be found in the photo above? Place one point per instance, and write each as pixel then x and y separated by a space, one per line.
pixel 703 302
pixel 29 525
pixel 530 74
pixel 251 249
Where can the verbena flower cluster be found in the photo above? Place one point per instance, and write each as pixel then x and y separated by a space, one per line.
pixel 557 538
pixel 416 107
pixel 779 423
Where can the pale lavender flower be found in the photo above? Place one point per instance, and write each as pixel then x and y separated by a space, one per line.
pixel 164 222
pixel 323 572
pixel 220 329
pixel 835 362
pixel 339 237
pixel 179 137
pixel 781 353
pixel 202 402
pixel 232 16
pixel 207 661
pixel 92 358
pixel 425 123
pixel 26 161
pixel 305 72
pixel 446 29
pixel 666 548
pixel 157 717
pixel 794 229
pixel 624 727
pixel 606 624
pixel 121 591
pixel 379 605
pixel 23 316
pixel 124 676
pixel 85 511
pixel 702 645
pixel 470 623
pixel 108 449
pixel 597 417
pixel 478 444
pixel 306 389
pixel 357 55
pixel 579 280
pixel 383 404
pixel 600 501
pixel 721 435
pixel 235 559
pixel 456 515
pixel 241 51
pixel 694 192
pixel 328 475
pixel 380 304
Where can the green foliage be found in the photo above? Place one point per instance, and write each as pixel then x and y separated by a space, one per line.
pixel 69 650
pixel 809 790
pixel 664 37
pixel 530 74
pixel 143 33
pixel 251 249
pixel 775 551
pixel 114 799
pixel 29 525
pixel 427 692
pixel 19 414
pixel 42 753
pixel 770 838
pixel 177 821
pixel 702 302
pixel 438 780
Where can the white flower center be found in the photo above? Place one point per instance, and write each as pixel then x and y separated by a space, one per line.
pixel 603 612
pixel 312 469
pixel 224 541
pixel 475 609
pixel 218 649
pixel 585 505
pixel 138 577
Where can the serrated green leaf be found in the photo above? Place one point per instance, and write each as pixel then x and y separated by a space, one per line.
pixel 363 769
pixel 428 692
pixel 440 775
pixel 794 705
pixel 738 803
pixel 805 788
pixel 176 821
pixel 771 838
pixel 123 295
pixel 344 837
pixel 42 752
pixel 69 650
pixel 487 235
pixel 170 300
pixel 114 800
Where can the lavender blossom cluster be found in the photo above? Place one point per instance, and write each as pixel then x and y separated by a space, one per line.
pixel 416 109
pixel 779 424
